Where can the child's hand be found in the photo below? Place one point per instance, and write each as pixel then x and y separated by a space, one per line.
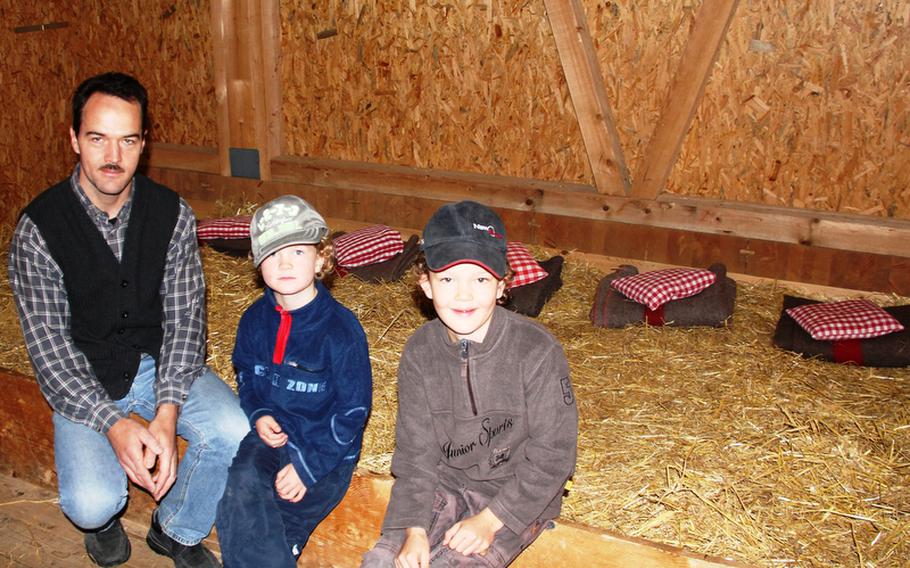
pixel 474 534
pixel 270 432
pixel 288 484
pixel 415 552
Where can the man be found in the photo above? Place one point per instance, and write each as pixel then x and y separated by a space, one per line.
pixel 110 294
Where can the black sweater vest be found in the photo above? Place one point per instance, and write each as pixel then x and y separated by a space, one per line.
pixel 115 307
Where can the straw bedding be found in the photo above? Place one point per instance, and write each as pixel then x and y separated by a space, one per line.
pixel 710 439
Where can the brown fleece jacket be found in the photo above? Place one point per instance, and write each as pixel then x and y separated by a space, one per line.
pixel 498 417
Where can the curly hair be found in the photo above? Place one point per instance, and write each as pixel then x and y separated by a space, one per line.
pixel 325 250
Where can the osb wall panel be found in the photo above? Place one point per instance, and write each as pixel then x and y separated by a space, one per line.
pixel 638 47
pixel 807 107
pixel 165 43
pixel 466 86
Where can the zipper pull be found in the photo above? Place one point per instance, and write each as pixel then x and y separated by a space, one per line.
pixel 466 374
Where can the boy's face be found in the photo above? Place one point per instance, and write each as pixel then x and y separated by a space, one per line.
pixel 464 296
pixel 291 273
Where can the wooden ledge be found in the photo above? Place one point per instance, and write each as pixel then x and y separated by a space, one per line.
pixel 746 221
pixel 27 450
pixel 354 526
pixel 27 440
pixel 758 240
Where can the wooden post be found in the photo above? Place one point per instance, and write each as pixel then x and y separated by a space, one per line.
pixel 685 94
pixel 270 78
pixel 589 96
pixel 246 43
pixel 222 28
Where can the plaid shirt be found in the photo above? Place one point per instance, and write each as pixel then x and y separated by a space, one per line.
pixel 63 371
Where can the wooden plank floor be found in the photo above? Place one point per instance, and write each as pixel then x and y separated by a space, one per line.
pixel 34 533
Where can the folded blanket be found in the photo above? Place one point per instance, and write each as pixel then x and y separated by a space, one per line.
pixel 891 350
pixel 712 307
pixel 226 234
pixel 388 270
pixel 233 247
pixel 531 298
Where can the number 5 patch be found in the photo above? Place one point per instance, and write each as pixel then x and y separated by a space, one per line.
pixel 567 396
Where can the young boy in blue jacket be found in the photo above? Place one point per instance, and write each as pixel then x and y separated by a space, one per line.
pixel 303 372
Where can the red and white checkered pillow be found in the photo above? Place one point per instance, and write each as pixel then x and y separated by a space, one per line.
pixel 368 245
pixel 525 269
pixel 223 228
pixel 657 287
pixel 847 319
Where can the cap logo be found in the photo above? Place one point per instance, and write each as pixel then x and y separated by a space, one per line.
pixel 276 213
pixel 488 229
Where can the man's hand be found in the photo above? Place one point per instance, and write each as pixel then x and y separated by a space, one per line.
pixel 288 484
pixel 474 534
pixel 415 552
pixel 164 428
pixel 134 446
pixel 270 432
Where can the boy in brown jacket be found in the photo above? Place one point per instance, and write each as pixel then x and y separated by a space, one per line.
pixel 487 423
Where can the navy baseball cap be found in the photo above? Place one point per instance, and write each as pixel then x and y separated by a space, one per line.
pixel 466 231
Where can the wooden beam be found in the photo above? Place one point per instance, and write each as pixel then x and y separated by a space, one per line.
pixel 255 33
pixel 748 221
pixel 352 528
pixel 222 28
pixel 772 223
pixel 26 446
pixel 241 57
pixel 245 37
pixel 557 217
pixel 570 544
pixel 183 157
pixel 270 75
pixel 684 96
pixel 589 96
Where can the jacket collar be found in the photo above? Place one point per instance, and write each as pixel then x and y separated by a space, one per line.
pixel 313 309
pixel 498 325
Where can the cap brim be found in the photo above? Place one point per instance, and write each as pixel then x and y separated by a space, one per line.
pixel 300 238
pixel 445 255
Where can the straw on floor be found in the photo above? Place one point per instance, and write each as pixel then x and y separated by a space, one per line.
pixel 711 439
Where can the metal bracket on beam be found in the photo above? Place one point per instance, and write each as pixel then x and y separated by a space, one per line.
pixel 245 163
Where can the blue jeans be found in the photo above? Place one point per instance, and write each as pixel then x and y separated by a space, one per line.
pixel 258 528
pixel 93 485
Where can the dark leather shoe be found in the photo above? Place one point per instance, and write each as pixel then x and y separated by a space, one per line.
pixel 109 546
pixel 184 556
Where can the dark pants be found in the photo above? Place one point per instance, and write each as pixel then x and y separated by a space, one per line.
pixel 452 505
pixel 258 528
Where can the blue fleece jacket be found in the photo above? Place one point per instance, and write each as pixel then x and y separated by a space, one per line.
pixel 310 370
